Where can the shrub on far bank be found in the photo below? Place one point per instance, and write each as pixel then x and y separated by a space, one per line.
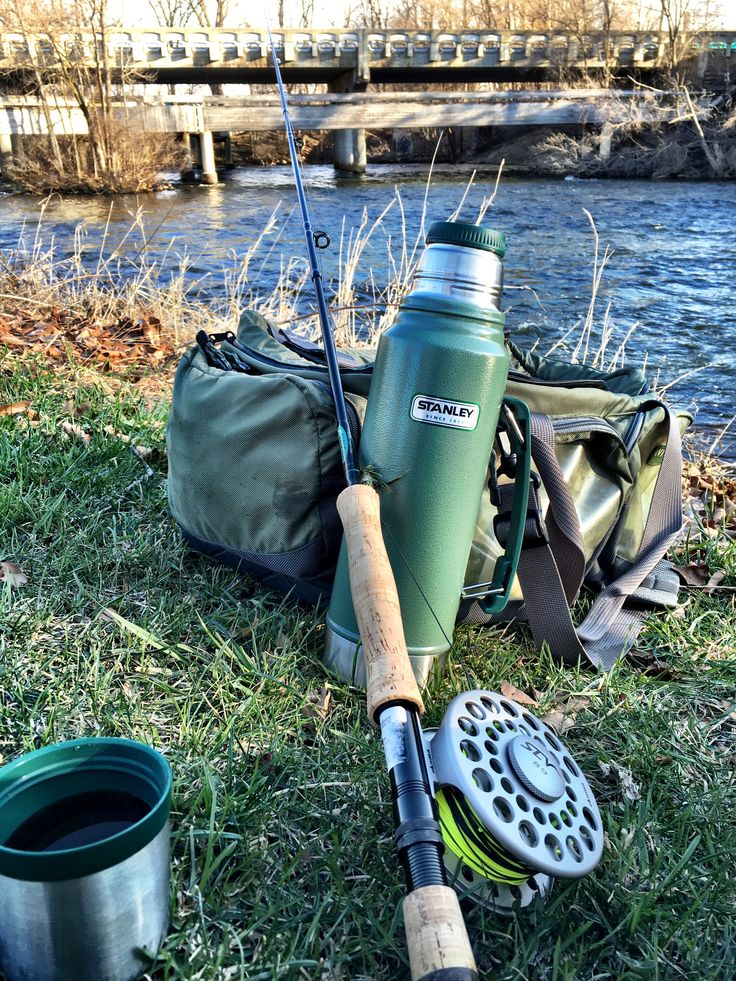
pixel 689 148
pixel 137 163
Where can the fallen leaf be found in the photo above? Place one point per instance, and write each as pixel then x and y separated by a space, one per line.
pixel 144 452
pixel 694 574
pixel 559 722
pixel 714 580
pixel 71 429
pixel 648 664
pixel 72 408
pixel 318 704
pixel 510 691
pixel 574 704
pixel 12 574
pixel 629 787
pixel 17 409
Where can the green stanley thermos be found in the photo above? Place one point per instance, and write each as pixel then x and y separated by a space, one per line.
pixel 429 427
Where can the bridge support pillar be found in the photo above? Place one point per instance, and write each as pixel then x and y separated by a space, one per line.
pixel 229 151
pixel 604 151
pixel 207 158
pixel 350 150
pixel 6 153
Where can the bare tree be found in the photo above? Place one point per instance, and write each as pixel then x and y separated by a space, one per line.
pixel 210 14
pixel 171 13
pixel 306 13
pixel 66 75
pixel 370 13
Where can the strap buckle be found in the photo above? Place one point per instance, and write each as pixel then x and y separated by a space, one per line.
pixel 534 534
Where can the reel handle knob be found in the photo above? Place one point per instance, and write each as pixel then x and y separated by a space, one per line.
pixel 436 936
pixel 389 674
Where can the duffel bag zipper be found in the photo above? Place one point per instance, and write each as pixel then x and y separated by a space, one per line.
pixel 353 417
pixel 584 424
pixel 285 366
pixel 519 376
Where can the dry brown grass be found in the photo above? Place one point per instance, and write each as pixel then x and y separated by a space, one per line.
pixel 137 164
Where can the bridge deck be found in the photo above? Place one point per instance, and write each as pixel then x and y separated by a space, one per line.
pixel 23 115
pixel 310 55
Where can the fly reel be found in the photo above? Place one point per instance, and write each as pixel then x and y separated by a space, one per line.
pixel 514 808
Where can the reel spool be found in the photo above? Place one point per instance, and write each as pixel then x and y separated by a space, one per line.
pixel 514 808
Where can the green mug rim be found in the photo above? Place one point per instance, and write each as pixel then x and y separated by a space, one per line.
pixel 72 758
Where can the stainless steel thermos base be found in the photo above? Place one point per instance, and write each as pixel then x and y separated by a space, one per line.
pixel 344 658
pixel 96 928
pixel 84 861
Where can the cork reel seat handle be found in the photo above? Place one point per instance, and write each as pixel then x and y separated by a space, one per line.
pixel 389 675
pixel 439 948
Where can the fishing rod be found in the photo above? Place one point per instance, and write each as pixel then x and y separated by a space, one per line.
pixel 439 948
pixel 321 240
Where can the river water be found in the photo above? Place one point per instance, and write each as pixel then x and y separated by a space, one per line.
pixel 672 270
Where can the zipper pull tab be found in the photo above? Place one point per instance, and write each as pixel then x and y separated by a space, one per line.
pixel 212 356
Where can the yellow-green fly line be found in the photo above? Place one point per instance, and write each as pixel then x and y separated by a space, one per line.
pixel 465 835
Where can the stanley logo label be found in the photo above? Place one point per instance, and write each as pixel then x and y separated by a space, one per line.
pixel 441 412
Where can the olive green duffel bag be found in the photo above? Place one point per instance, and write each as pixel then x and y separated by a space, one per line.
pixel 254 471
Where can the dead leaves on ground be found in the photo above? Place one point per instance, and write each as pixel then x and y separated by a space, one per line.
pixel 72 429
pixel 710 498
pixel 12 574
pixel 516 695
pixel 624 778
pixel 143 453
pixel 122 342
pixel 317 706
pixel 564 714
pixel 18 409
pixel 699 576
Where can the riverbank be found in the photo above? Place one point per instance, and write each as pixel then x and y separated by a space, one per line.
pixel 684 150
pixel 192 253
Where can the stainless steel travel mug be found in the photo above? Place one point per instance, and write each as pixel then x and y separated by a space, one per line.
pixel 84 861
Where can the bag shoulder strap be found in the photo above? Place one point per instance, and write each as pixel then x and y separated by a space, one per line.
pixel 549 572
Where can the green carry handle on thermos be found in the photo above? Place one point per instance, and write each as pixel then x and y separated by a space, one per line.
pixel 429 432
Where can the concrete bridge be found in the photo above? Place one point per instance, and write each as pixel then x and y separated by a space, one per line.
pixel 347 115
pixel 351 58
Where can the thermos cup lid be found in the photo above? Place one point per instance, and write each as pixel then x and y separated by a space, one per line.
pixel 470 236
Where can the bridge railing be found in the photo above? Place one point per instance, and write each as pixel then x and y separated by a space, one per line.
pixel 354 49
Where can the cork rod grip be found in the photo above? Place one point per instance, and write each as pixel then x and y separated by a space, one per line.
pixel 439 949
pixel 388 670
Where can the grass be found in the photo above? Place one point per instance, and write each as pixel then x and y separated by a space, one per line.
pixel 284 864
